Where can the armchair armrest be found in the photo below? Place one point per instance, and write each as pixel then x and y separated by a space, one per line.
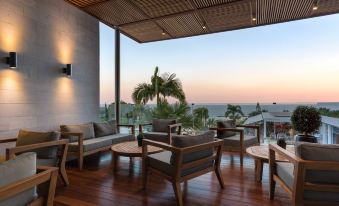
pixel 75 134
pixel 129 126
pixel 10 152
pixel 14 139
pixel 284 153
pixel 142 125
pixel 178 125
pixel 227 129
pixel 44 174
pixel 168 147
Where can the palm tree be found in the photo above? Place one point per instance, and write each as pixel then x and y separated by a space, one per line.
pixel 234 112
pixel 161 87
pixel 202 114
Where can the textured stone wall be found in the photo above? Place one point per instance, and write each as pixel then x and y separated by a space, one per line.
pixel 47 34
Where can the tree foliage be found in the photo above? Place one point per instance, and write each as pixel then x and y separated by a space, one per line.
pixel 306 119
pixel 234 112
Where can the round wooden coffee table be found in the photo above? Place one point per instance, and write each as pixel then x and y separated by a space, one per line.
pixel 130 149
pixel 261 156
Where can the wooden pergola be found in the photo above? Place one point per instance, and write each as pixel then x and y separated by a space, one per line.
pixel 155 20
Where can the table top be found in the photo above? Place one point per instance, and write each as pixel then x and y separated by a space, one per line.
pixel 131 148
pixel 262 152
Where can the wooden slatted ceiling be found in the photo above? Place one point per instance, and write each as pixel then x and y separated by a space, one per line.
pixel 153 20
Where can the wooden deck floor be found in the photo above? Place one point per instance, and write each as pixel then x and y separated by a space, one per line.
pixel 97 185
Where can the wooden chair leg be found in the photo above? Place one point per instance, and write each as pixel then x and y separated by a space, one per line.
pixel 81 162
pixel 52 186
pixel 144 178
pixel 220 178
pixel 178 194
pixel 272 189
pixel 63 175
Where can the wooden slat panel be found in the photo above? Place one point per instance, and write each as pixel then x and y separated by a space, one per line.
pixel 208 3
pixel 183 25
pixel 231 16
pixel 155 8
pixel 145 32
pixel 116 12
pixel 274 11
pixel 84 3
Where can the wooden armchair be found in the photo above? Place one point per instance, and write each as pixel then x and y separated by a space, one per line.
pixel 239 141
pixel 19 188
pixel 308 182
pixel 179 164
pixel 162 130
pixel 60 159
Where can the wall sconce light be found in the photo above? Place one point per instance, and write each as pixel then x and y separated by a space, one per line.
pixel 12 60
pixel 67 70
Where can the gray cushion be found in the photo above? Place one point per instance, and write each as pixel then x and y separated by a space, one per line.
pixel 182 141
pixel 285 171
pixel 118 138
pixel 14 170
pixel 90 144
pixel 105 128
pixel 47 162
pixel 161 125
pixel 86 129
pixel 225 124
pixel 29 137
pixel 157 136
pixel 234 141
pixel 162 162
pixel 319 152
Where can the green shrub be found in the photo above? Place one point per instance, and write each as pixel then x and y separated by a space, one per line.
pixel 306 119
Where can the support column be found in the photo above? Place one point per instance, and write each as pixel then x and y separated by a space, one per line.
pixel 329 134
pixel 265 131
pixel 117 76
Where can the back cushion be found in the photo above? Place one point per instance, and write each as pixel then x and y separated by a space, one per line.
pixel 225 124
pixel 86 129
pixel 26 137
pixel 11 171
pixel 182 141
pixel 161 125
pixel 105 128
pixel 319 152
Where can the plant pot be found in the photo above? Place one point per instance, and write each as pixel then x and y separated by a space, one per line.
pixel 306 138
pixel 282 143
pixel 139 139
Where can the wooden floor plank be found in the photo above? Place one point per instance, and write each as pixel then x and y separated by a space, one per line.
pixel 98 185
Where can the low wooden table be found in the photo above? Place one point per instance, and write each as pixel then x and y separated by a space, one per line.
pixel 261 156
pixel 130 149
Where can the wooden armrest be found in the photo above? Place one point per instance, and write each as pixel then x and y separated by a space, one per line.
pixel 14 139
pixel 17 187
pixel 227 129
pixel 285 153
pixel 215 143
pixel 125 125
pixel 249 126
pixel 71 134
pixel 10 152
pixel 174 125
pixel 145 124
pixel 162 145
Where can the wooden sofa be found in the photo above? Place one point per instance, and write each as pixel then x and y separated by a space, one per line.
pixel 89 138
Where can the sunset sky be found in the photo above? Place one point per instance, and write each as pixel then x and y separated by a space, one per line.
pixel 289 62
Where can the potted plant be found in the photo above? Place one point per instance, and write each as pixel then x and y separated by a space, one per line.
pixel 306 120
pixel 139 139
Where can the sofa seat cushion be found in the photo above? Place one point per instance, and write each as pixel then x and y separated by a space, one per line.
pixel 26 137
pixel 118 138
pixel 285 171
pixel 86 129
pixel 157 136
pixel 161 125
pixel 90 144
pixel 105 128
pixel 162 161
pixel 234 141
pixel 14 170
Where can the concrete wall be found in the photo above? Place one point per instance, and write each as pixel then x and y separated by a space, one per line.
pixel 47 34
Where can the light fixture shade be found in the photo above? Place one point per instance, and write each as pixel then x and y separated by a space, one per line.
pixel 12 60
pixel 68 70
